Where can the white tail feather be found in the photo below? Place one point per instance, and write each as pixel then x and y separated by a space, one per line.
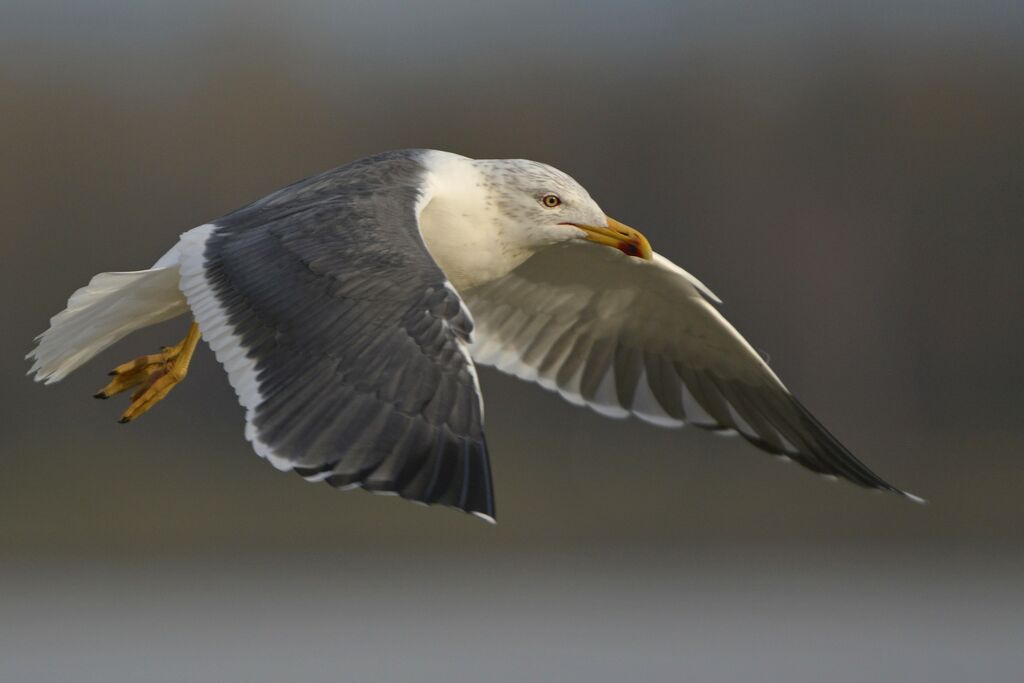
pixel 111 306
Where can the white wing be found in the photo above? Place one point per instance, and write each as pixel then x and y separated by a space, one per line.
pixel 626 336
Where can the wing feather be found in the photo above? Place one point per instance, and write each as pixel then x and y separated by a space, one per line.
pixel 626 336
pixel 343 338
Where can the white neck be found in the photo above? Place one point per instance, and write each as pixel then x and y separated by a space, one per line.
pixel 460 224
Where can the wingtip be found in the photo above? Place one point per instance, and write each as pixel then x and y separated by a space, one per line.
pixel 487 518
pixel 915 499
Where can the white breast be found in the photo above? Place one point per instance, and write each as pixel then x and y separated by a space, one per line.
pixel 460 224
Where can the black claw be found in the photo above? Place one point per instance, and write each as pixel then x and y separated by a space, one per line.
pixel 111 373
pixel 124 420
pixel 100 395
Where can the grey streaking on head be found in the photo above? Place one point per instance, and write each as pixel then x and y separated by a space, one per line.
pixel 348 310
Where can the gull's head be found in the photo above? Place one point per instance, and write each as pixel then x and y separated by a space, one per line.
pixel 538 205
pixel 480 218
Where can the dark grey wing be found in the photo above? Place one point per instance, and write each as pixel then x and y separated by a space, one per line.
pixel 631 337
pixel 342 337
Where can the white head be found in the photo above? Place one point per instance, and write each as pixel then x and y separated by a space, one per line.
pixel 486 216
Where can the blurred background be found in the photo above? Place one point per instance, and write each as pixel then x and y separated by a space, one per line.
pixel 846 176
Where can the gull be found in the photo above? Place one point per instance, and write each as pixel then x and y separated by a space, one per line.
pixel 350 311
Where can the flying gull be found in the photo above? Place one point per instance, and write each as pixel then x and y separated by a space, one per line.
pixel 350 311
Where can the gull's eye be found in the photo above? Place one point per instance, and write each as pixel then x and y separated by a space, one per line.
pixel 550 200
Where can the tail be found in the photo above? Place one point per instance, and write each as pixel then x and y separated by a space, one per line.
pixel 110 307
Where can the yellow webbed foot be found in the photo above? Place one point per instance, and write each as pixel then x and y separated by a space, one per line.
pixel 154 375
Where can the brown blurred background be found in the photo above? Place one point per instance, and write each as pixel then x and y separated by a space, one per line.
pixel 846 177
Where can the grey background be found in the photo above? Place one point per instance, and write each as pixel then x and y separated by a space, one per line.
pixel 846 177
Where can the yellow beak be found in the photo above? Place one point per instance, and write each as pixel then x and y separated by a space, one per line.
pixel 619 235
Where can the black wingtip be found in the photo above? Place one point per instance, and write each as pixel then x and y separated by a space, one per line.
pixel 454 475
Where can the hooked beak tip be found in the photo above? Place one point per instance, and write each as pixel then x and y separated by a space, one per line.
pixel 629 241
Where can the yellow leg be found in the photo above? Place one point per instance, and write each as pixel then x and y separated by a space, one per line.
pixel 156 373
